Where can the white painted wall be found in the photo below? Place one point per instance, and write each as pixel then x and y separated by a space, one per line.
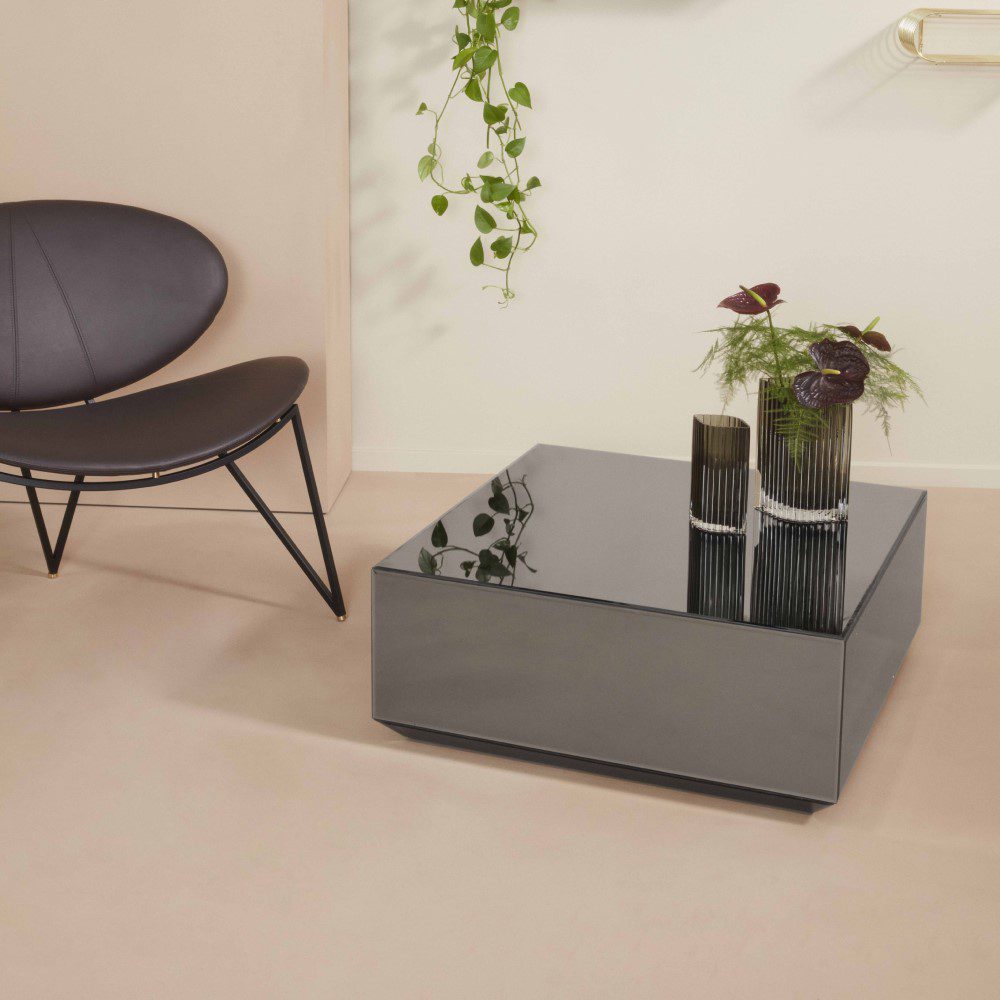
pixel 685 146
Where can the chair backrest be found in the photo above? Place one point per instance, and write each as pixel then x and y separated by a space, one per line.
pixel 94 297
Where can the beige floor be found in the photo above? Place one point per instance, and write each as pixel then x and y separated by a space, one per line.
pixel 195 803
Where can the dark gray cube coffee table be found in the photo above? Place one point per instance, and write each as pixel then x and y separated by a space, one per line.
pixel 566 612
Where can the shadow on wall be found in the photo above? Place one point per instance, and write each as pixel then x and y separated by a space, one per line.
pixel 399 55
pixel 879 85
pixel 418 39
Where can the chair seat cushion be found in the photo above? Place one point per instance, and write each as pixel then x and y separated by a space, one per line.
pixel 157 429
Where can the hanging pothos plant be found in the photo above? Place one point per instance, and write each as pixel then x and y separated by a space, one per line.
pixel 501 218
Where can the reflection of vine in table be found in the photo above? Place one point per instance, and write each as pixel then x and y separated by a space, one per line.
pixel 487 565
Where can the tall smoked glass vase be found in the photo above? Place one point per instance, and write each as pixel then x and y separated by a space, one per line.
pixel 813 486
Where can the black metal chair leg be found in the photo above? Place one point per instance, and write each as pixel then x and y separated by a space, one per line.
pixel 331 594
pixel 53 556
pixel 317 511
pixel 329 589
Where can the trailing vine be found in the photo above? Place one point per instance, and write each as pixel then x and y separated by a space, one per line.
pixel 513 503
pixel 479 75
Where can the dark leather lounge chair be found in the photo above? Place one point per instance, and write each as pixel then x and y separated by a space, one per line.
pixel 95 297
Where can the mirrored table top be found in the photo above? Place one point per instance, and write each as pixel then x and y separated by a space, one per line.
pixel 609 527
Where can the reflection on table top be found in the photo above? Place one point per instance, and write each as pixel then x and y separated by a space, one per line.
pixel 611 527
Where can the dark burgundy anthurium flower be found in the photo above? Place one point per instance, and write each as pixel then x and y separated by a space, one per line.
pixel 871 337
pixel 840 378
pixel 746 305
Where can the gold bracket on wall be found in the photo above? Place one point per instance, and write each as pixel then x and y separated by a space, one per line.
pixel 911 35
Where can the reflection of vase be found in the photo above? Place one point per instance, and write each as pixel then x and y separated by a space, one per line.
pixel 810 487
pixel 799 574
pixel 720 458
pixel 715 574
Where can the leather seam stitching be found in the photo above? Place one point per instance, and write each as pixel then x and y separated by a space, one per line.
pixel 66 302
pixel 13 302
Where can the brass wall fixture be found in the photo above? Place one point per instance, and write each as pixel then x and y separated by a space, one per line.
pixel 912 28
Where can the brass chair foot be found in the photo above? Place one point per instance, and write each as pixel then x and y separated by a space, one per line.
pixel 53 576
pixel 341 618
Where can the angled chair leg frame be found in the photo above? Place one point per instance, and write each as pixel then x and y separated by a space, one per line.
pixel 330 593
pixel 53 556
pixel 329 589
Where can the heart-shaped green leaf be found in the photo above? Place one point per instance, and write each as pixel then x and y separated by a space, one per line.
pixel 477 255
pixel 520 94
pixel 486 25
pixel 515 147
pixel 425 166
pixel 489 563
pixel 494 113
pixel 510 18
pixel 498 501
pixel 502 248
pixel 439 203
pixel 472 90
pixel 482 60
pixel 485 160
pixel 485 222
pixel 463 57
pixel 439 537
pixel 482 525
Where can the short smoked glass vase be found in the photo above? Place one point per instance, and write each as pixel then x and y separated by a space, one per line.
pixel 813 486
pixel 720 460
pixel 716 573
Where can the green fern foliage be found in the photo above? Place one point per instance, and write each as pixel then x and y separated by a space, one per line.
pixel 751 349
pixel 797 424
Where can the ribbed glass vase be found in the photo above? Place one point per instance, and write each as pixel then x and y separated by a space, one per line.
pixel 799 575
pixel 810 487
pixel 716 570
pixel 720 461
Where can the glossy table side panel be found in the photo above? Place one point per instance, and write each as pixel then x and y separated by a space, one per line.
pixel 713 701
pixel 878 640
